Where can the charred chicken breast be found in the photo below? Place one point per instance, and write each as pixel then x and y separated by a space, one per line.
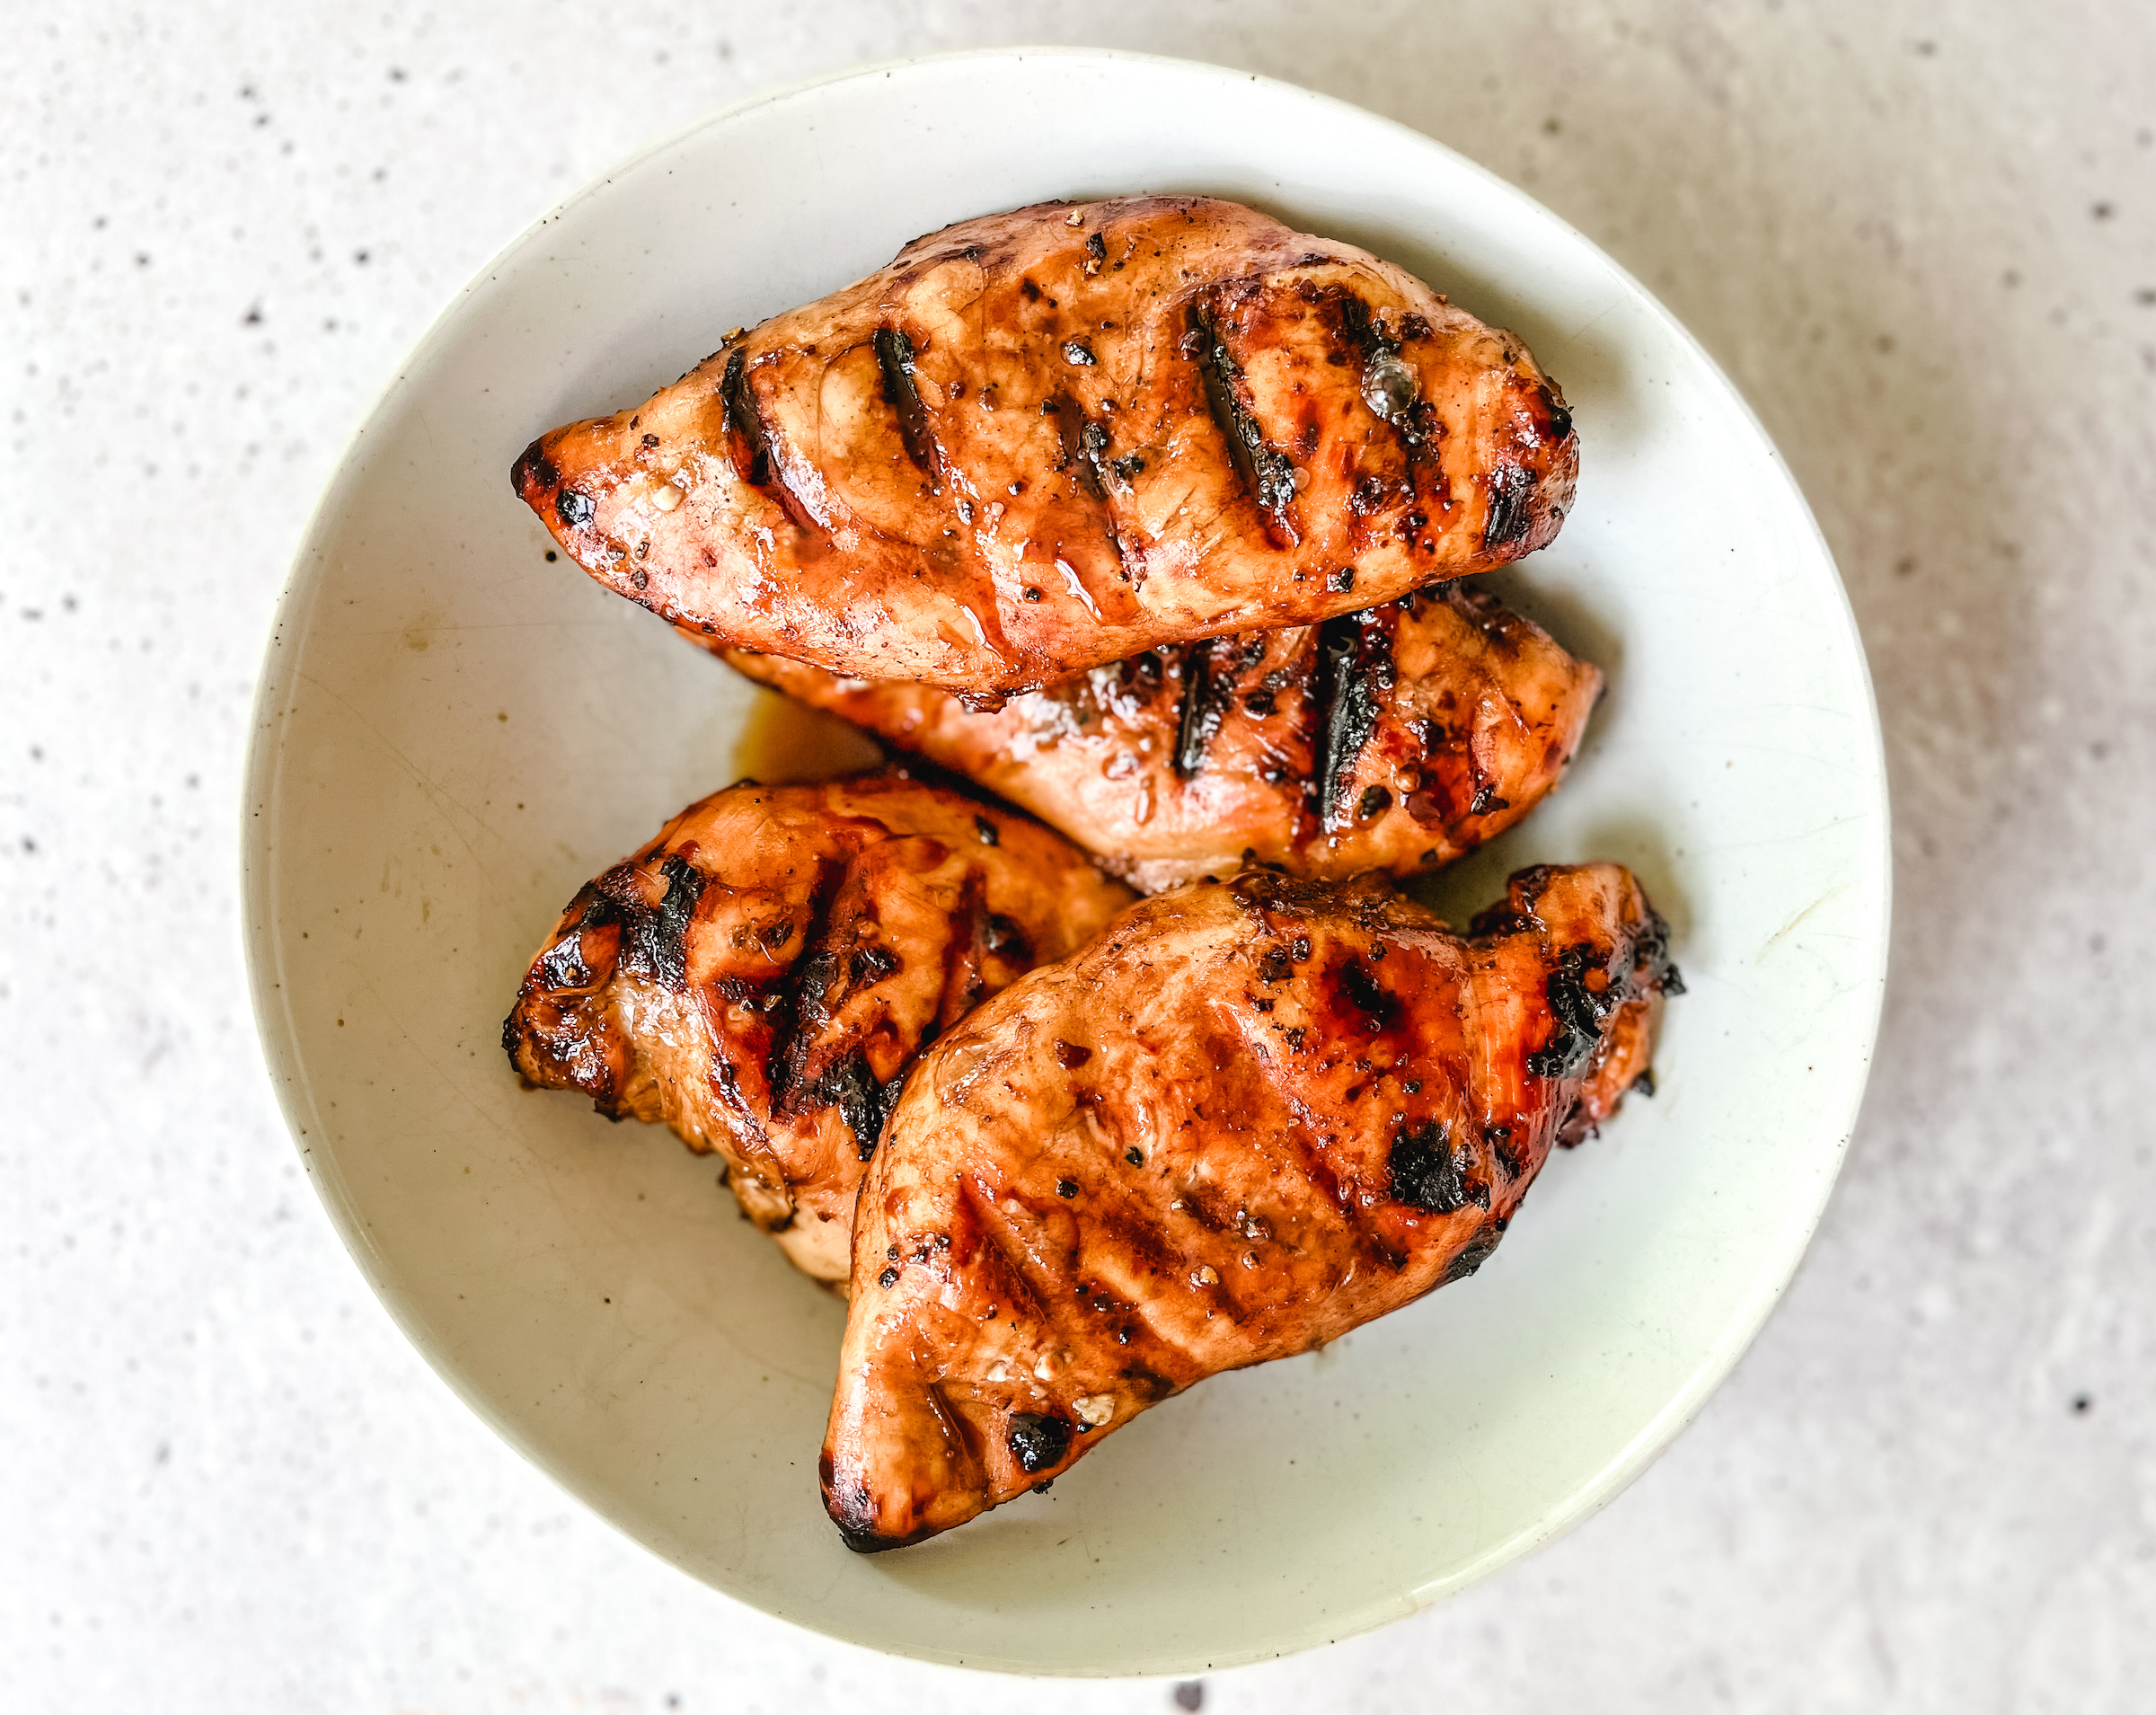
pixel 761 976
pixel 1246 1119
pixel 1391 740
pixel 1042 441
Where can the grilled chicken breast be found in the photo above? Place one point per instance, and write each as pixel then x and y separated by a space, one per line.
pixel 1246 1119
pixel 1042 441
pixel 1391 740
pixel 761 976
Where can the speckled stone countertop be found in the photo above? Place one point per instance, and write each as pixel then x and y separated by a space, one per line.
pixel 1923 239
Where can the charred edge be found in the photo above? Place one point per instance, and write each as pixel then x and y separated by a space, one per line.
pixel 1429 1172
pixel 1579 1011
pixel 1479 1249
pixel 1651 955
pixel 1511 508
pixel 1038 1442
pixel 1557 422
pixel 1355 675
pixel 853 1511
pixel 895 359
pixel 862 1100
pixel 533 474
pixel 1267 475
pixel 750 442
pixel 1204 708
pixel 1511 1154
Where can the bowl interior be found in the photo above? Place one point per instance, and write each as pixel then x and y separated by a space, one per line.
pixel 453 734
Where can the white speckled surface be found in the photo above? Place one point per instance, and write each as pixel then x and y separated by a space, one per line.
pixel 1923 239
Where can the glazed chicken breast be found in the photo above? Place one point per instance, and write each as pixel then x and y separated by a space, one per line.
pixel 761 976
pixel 1042 441
pixel 1245 1120
pixel 1391 740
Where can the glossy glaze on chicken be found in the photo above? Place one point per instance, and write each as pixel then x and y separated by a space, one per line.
pixel 1042 441
pixel 1248 1119
pixel 1391 741
pixel 761 976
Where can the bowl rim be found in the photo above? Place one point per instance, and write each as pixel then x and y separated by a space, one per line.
pixel 277 1034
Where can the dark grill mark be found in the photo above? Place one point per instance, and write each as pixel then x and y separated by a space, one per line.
pixel 986 829
pixel 1389 386
pixel 895 359
pixel 573 508
pixel 801 1000
pixel 868 964
pixel 1003 937
pixel 863 1101
pixel 1071 1056
pixel 1204 706
pixel 1370 997
pixel 1266 474
pixel 1078 352
pixel 1511 508
pixel 1078 441
pixel 1355 676
pixel 748 440
pixel 1038 1442
pixel 563 965
pixel 655 942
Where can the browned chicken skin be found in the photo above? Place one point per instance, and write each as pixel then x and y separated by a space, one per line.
pixel 1392 740
pixel 1045 440
pixel 1246 1119
pixel 762 973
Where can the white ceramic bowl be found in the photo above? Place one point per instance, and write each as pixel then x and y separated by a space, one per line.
pixel 453 734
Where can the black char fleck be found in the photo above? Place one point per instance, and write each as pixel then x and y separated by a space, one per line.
pixel 1038 1442
pixel 1425 1172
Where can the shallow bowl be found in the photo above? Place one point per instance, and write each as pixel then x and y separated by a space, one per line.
pixel 453 734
